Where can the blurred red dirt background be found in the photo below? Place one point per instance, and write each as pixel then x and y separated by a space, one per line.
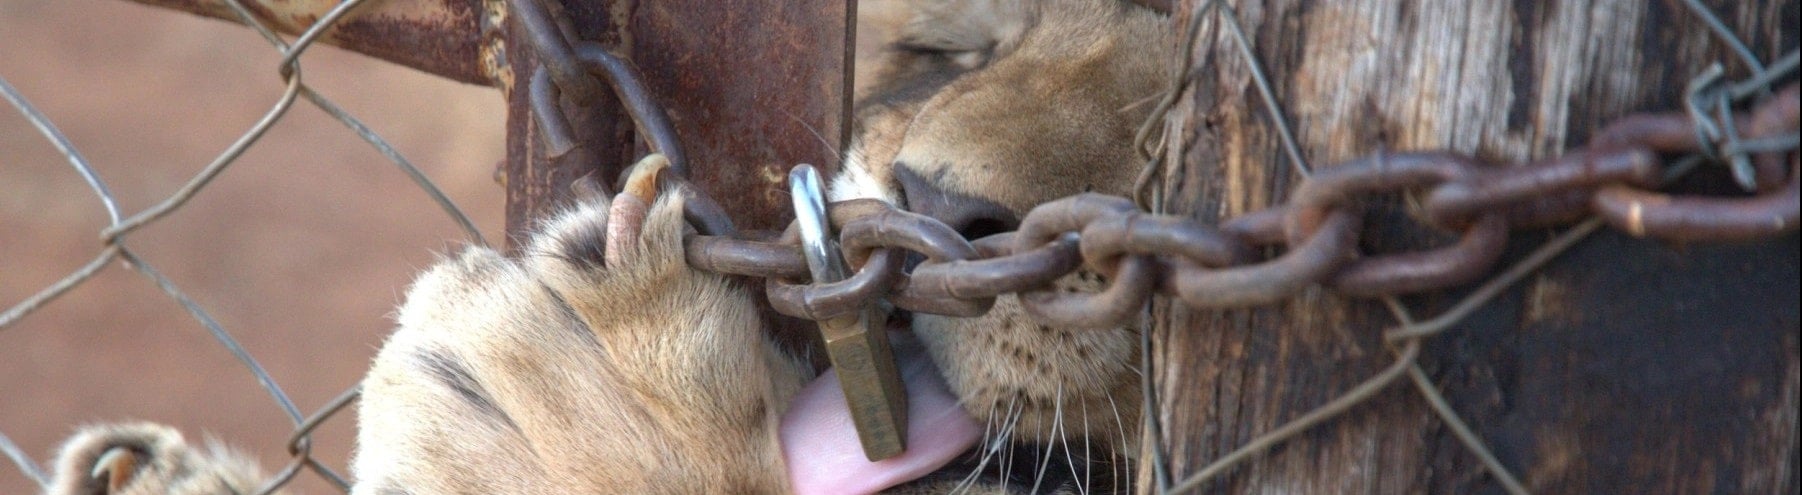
pixel 300 250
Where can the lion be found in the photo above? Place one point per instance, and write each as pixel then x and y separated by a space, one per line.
pixel 598 361
pixel 146 458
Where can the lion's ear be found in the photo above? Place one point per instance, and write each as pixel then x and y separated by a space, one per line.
pixel 968 32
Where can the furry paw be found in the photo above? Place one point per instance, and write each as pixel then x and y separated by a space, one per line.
pixel 596 362
pixel 148 459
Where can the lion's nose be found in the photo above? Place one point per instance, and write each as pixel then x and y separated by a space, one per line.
pixel 971 216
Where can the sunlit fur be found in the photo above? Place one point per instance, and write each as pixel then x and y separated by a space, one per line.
pixel 567 376
pixel 556 371
pixel 1018 103
pixel 148 459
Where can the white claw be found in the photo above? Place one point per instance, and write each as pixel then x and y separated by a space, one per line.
pixel 625 217
pixel 116 466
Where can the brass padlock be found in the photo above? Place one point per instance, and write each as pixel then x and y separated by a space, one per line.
pixel 857 343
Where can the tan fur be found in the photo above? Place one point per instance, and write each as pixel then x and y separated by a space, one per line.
pixel 571 370
pixel 646 377
pixel 148 459
pixel 1050 113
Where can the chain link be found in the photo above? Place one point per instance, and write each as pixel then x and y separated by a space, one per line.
pixel 1316 232
pixel 1314 237
pixel 1141 253
pixel 1615 177
pixel 1213 267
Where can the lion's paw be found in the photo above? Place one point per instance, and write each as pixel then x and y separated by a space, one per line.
pixel 148 459
pixel 597 361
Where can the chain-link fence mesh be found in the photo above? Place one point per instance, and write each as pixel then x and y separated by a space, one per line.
pixel 282 253
pixel 1536 188
pixel 120 225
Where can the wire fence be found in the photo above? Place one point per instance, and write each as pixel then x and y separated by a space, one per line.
pixel 116 248
pixel 1541 188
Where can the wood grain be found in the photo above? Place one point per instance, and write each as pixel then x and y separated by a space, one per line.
pixel 1628 366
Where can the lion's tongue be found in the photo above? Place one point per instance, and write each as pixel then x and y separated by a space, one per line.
pixel 821 446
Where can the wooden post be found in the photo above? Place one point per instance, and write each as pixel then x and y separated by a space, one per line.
pixel 1627 366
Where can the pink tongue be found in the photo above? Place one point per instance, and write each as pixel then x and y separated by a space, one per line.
pixel 821 446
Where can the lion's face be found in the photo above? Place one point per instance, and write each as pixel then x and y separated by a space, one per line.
pixel 974 112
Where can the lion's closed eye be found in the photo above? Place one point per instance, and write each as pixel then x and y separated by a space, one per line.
pixel 601 363
pixel 983 110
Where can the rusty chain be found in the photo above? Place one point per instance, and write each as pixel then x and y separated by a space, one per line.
pixel 1615 177
pixel 575 74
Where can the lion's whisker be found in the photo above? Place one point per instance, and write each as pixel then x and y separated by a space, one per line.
pixel 1001 436
pixel 1007 454
pixel 1064 437
pixel 1088 458
pixel 1114 460
pixel 1057 413
pixel 830 148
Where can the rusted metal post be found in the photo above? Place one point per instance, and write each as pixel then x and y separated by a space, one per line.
pixel 1627 366
pixel 753 87
pixel 442 37
pixel 537 179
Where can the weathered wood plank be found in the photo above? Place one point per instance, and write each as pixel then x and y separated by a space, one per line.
pixel 1628 366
